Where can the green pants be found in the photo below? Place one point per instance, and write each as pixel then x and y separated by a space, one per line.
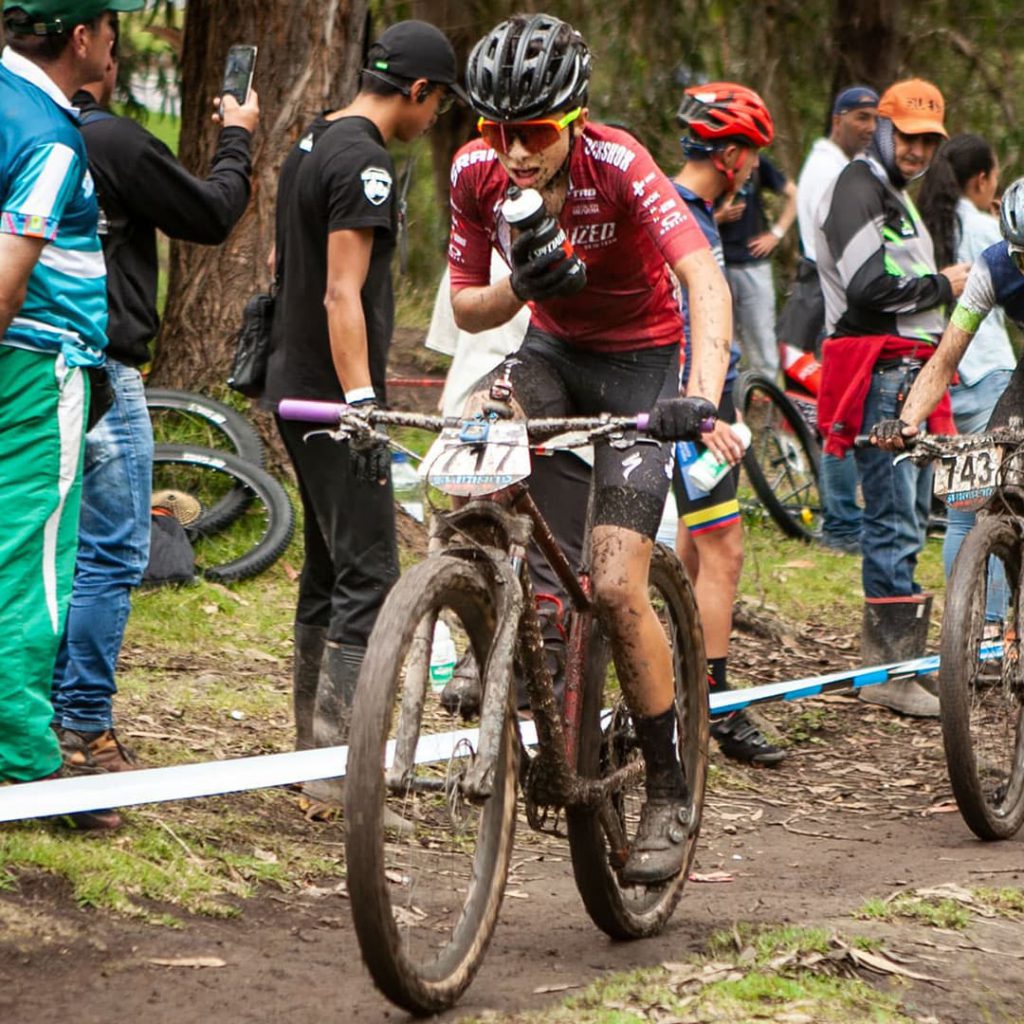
pixel 42 423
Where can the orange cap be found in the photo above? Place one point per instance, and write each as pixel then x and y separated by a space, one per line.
pixel 915 106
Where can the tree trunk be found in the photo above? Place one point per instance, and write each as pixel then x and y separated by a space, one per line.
pixel 866 44
pixel 310 52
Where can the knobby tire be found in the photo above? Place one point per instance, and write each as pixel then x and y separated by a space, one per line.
pixel 628 911
pixel 386 908
pixel 783 461
pixel 982 703
pixel 203 471
pixel 200 421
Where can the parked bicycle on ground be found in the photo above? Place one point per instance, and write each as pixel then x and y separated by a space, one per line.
pixel 429 838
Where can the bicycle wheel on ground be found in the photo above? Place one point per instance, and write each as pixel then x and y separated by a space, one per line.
pixel 982 700
pixel 783 460
pixel 256 539
pixel 608 742
pixel 185 418
pixel 426 865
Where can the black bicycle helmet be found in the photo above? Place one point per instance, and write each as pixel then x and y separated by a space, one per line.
pixel 1011 214
pixel 527 67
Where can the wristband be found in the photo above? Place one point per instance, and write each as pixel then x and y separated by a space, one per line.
pixel 364 394
pixel 778 232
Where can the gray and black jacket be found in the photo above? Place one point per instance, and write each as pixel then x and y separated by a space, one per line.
pixel 875 259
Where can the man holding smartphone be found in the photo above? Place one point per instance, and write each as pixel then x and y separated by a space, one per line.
pixel 141 188
pixel 333 320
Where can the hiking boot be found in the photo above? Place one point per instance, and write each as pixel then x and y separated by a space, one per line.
pixel 95 753
pixel 658 852
pixel 85 821
pixel 739 738
pixel 463 693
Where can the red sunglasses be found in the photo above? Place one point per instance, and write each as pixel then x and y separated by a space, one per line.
pixel 534 135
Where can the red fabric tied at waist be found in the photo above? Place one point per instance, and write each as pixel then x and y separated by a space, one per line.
pixel 847 365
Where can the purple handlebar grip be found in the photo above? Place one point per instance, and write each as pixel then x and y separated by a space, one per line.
pixel 309 411
pixel 642 419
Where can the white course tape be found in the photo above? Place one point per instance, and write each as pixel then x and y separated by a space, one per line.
pixel 213 778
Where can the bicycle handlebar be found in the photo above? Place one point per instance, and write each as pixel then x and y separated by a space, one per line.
pixel 331 413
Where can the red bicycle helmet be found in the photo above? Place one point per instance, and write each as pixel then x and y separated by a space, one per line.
pixel 726 111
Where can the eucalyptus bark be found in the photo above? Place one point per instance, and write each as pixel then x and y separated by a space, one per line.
pixel 310 52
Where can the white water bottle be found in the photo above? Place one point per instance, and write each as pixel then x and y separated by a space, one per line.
pixel 706 471
pixel 407 486
pixel 442 656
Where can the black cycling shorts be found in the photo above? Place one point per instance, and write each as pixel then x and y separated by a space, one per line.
pixel 550 377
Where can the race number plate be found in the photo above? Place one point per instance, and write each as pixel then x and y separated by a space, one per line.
pixel 474 463
pixel 966 481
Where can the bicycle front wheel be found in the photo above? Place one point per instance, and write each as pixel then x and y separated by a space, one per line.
pixel 981 700
pixel 255 540
pixel 783 460
pixel 426 864
pixel 608 743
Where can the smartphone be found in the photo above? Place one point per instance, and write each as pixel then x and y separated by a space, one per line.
pixel 238 72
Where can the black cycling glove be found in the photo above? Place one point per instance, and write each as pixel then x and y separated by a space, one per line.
pixel 680 419
pixel 370 458
pixel 551 275
pixel 886 432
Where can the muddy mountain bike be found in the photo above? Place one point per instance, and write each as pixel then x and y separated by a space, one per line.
pixel 431 813
pixel 981 678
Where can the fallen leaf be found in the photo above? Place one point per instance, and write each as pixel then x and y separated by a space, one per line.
pixel 188 961
pixel 545 989
pixel 711 876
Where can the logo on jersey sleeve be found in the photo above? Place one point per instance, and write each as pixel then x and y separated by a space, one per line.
pixel 376 184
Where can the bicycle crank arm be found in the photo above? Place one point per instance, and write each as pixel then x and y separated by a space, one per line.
pixel 478 783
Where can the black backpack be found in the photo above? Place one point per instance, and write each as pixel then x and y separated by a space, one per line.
pixel 171 559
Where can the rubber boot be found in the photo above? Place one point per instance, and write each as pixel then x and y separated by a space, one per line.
pixel 896 629
pixel 332 713
pixel 309 652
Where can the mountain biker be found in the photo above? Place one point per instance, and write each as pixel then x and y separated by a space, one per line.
pixel 727 124
pixel 612 347
pixel 996 280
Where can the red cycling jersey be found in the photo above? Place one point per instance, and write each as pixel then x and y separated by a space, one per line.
pixel 623 218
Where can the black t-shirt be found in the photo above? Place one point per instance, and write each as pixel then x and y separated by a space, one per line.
pixel 752 222
pixel 338 177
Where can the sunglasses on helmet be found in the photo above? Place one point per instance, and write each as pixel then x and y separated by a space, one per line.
pixel 534 135
pixel 1017 255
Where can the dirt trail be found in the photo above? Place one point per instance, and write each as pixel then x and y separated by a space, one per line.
pixel 860 810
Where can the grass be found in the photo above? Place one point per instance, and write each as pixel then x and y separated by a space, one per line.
pixel 735 981
pixel 936 912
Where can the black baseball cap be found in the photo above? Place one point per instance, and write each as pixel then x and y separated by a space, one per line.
pixel 417 49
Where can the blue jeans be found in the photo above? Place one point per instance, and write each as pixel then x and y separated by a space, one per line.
pixel 896 498
pixel 113 550
pixel 972 407
pixel 753 311
pixel 841 521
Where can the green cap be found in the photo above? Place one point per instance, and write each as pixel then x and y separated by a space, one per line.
pixel 50 17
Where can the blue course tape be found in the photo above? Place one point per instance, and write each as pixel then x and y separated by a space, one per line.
pixel 214 778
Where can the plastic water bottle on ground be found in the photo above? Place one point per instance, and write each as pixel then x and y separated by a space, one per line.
pixel 407 485
pixel 442 656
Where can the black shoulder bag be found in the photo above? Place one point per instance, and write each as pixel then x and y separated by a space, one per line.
pixel 252 345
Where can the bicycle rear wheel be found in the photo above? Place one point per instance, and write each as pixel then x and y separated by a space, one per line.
pixel 426 866
pixel 981 701
pixel 255 540
pixel 783 460
pixel 184 418
pixel 608 742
